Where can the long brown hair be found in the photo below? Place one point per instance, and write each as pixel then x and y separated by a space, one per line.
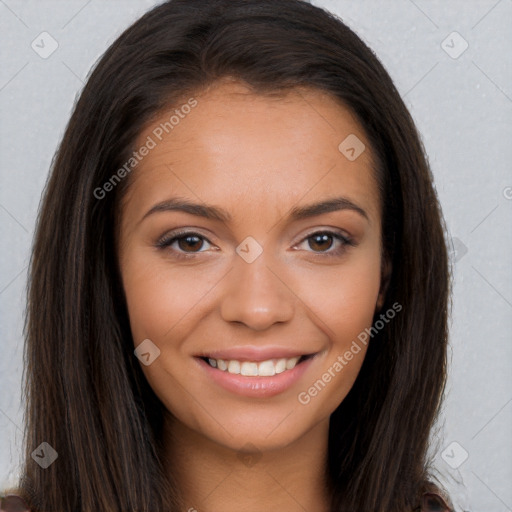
pixel 86 395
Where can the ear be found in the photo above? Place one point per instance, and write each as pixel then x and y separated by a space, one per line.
pixel 385 278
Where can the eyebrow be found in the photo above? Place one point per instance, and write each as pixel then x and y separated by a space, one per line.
pixel 216 213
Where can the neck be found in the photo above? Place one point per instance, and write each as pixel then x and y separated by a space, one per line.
pixel 211 477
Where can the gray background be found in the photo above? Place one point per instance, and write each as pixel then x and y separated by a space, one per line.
pixel 462 104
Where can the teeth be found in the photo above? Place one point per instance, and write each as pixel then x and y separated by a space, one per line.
pixel 249 369
pixel 266 368
pixel 234 367
pixel 280 365
pixel 254 369
pixel 290 363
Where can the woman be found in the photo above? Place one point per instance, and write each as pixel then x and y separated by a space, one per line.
pixel 239 287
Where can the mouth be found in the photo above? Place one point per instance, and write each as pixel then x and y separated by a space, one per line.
pixel 263 378
pixel 267 368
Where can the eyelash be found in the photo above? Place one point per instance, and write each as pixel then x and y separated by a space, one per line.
pixel 167 240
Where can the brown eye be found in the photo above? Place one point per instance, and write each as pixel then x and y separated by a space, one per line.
pixel 190 243
pixel 321 242
pixel 184 243
pixel 327 243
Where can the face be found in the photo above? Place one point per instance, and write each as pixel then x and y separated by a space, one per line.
pixel 249 240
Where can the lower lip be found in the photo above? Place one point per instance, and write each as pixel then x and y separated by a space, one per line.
pixel 257 387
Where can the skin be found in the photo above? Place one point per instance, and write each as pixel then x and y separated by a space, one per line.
pixel 256 157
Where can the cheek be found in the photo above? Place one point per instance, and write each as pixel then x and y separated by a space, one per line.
pixel 160 298
pixel 343 297
pixel 343 302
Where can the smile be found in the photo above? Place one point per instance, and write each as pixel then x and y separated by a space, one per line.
pixel 266 368
pixel 256 379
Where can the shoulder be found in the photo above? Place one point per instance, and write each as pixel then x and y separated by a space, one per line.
pixel 433 502
pixel 12 503
pixel 434 499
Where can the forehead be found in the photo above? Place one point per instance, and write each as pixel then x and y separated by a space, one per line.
pixel 249 152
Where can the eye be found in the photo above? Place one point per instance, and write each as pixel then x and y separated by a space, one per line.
pixel 186 242
pixel 321 242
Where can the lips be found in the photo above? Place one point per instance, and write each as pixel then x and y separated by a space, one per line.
pixel 255 372
pixel 255 361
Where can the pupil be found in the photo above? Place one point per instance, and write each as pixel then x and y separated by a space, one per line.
pixel 319 240
pixel 188 242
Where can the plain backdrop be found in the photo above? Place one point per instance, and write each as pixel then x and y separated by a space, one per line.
pixel 451 61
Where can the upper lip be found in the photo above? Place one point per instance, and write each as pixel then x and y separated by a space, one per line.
pixel 256 354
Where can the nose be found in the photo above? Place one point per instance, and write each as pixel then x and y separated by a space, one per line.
pixel 256 295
